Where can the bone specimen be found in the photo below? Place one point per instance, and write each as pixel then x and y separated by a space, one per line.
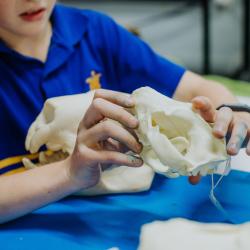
pixel 183 234
pixel 176 140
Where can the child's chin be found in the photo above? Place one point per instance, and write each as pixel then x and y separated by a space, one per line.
pixel 33 30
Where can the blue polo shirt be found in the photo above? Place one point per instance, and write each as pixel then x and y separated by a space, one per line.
pixel 90 50
pixel 84 44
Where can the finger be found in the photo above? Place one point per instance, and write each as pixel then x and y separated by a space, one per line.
pixel 121 147
pixel 194 179
pixel 205 107
pixel 248 148
pixel 101 108
pixel 108 129
pixel 122 99
pixel 132 131
pixel 106 158
pixel 223 120
pixel 40 138
pixel 238 136
pixel 112 157
pixel 113 145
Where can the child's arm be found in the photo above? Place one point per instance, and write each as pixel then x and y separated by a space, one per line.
pixel 24 192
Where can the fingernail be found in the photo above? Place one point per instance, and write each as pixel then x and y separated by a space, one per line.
pixel 218 128
pixel 134 122
pixel 129 102
pixel 134 159
pixel 218 131
pixel 248 151
pixel 233 147
pixel 139 148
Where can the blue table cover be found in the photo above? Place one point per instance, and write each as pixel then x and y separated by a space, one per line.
pixel 97 223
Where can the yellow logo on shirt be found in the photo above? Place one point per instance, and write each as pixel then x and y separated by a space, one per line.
pixel 94 80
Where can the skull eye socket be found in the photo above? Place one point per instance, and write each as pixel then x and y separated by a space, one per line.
pixel 175 128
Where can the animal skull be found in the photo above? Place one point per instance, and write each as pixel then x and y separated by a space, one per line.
pixel 176 140
pixel 56 127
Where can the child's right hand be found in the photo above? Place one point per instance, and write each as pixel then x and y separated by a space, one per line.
pixel 99 140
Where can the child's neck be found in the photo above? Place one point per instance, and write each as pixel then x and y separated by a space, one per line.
pixel 33 46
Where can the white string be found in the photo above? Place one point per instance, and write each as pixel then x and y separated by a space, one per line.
pixel 212 197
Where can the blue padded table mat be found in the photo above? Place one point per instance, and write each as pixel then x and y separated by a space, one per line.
pixel 102 222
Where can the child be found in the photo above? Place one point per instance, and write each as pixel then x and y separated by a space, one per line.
pixel 48 50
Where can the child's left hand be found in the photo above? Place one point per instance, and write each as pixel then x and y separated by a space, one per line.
pixel 225 122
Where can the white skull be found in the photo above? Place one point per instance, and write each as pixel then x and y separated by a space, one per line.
pixel 183 234
pixel 56 127
pixel 176 140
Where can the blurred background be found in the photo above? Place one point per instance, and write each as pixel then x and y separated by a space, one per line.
pixel 206 36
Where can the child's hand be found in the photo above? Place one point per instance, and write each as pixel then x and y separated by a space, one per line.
pixel 225 121
pixel 96 137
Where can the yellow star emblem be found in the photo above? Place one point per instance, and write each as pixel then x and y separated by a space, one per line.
pixel 94 80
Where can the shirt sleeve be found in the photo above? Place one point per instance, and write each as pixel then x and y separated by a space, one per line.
pixel 130 63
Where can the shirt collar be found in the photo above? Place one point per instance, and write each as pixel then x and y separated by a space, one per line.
pixel 69 25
